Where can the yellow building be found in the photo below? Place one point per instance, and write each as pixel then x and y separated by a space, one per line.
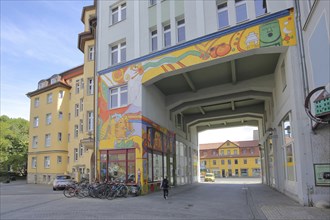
pixel 231 159
pixel 62 118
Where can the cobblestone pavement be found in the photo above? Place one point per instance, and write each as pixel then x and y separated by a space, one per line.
pixel 224 199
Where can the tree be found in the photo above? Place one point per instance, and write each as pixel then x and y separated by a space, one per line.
pixel 14 142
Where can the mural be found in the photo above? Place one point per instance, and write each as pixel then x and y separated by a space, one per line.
pixel 279 32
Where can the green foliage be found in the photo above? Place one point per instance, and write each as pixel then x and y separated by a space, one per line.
pixel 14 142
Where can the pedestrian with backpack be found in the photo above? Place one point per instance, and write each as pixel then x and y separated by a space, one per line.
pixel 164 185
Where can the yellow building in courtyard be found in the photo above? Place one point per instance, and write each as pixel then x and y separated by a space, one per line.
pixel 231 159
pixel 62 118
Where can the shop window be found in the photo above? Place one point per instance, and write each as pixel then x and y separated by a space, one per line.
pixel 244 172
pixel 118 165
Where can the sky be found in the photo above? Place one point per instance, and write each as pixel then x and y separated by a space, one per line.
pixel 38 39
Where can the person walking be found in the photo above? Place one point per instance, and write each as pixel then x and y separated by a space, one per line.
pixel 164 185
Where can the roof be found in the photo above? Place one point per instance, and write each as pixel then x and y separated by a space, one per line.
pixel 210 146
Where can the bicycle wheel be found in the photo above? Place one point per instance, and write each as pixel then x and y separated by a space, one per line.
pixel 69 192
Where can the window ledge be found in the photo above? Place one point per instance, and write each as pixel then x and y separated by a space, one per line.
pixel 110 25
pixel 242 22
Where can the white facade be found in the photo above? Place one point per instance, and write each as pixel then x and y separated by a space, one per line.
pixel 289 153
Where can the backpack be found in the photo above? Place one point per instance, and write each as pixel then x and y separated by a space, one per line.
pixel 165 183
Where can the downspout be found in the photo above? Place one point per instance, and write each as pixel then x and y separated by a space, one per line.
pixel 95 93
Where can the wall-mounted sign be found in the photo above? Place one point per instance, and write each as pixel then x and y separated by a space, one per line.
pixel 322 174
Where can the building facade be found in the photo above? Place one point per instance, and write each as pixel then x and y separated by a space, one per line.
pixel 167 70
pixel 62 119
pixel 230 159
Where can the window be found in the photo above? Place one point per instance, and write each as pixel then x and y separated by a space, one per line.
pixel 118 13
pixel 91 53
pixel 81 125
pixel 90 84
pixel 90 121
pixel 76 130
pixel 244 172
pixel 244 151
pixel 236 161
pixel 167 35
pixel 34 162
pixel 222 162
pixel 81 150
pixel 214 162
pixel 154 44
pixel 235 152
pixel 60 115
pixel 222 152
pixel 228 152
pixel 47 140
pixel 223 19
pixel 82 84
pixel 77 86
pixel 181 30
pixel 76 110
pixel 81 104
pixel 48 119
pixel 256 161
pixel 260 7
pixel 46 161
pixel 60 94
pixel 251 151
pixel 118 97
pixel 59 159
pixel 59 136
pixel 229 162
pixel 152 2
pixel 34 141
pixel 49 98
pixel 35 122
pixel 36 102
pixel 75 154
pixel 118 53
pixel 241 13
pixel 118 165
pixel 245 161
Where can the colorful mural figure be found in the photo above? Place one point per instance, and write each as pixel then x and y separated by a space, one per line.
pixel 270 34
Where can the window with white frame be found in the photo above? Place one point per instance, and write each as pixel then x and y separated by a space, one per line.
pixel 118 13
pixel 241 10
pixel 59 136
pixel 47 140
pixel 81 104
pixel 260 7
pixel 60 94
pixel 118 97
pixel 91 53
pixel 118 53
pixel 46 161
pixel 82 83
pixel 35 122
pixel 181 30
pixel 81 126
pixel 288 148
pixel 48 118
pixel 154 44
pixel 59 159
pixel 75 154
pixel 90 121
pixel 49 98
pixel 76 131
pixel 77 86
pixel 90 84
pixel 167 35
pixel 223 20
pixel 34 141
pixel 81 150
pixel 34 162
pixel 76 110
pixel 36 102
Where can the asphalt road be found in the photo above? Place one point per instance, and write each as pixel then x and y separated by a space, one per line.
pixel 234 199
